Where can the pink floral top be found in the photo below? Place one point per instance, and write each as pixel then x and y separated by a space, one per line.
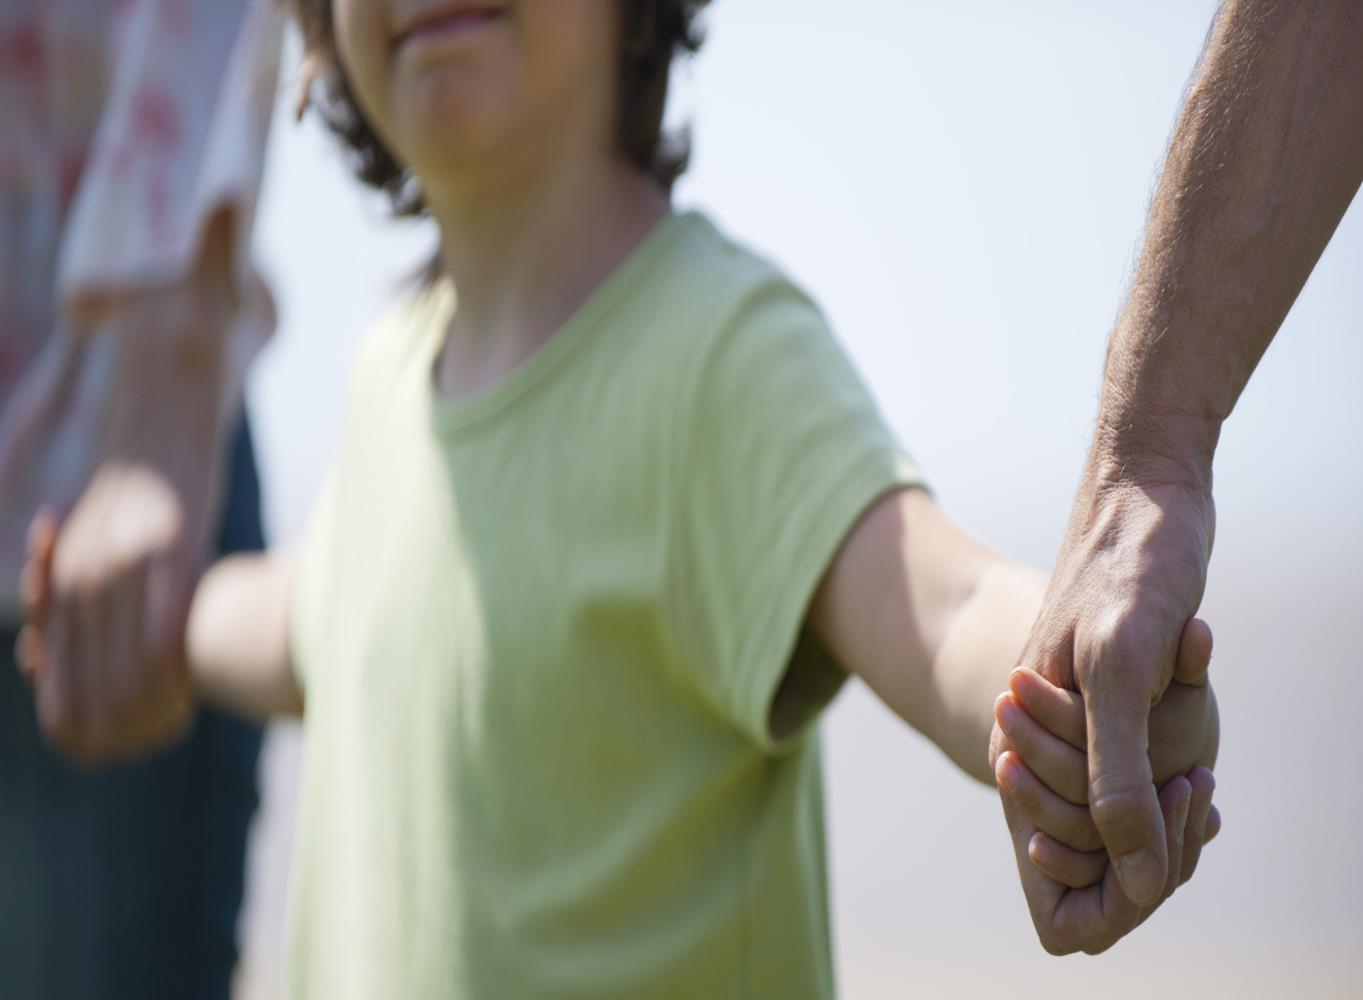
pixel 125 125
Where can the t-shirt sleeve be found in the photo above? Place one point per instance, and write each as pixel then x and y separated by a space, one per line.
pixel 783 451
pixel 313 567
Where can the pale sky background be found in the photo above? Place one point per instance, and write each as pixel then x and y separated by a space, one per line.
pixel 962 185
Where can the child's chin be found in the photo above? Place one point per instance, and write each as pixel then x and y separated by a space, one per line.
pixel 453 130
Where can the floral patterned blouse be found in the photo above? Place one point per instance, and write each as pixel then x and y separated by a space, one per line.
pixel 125 126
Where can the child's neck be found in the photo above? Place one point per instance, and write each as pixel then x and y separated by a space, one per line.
pixel 525 256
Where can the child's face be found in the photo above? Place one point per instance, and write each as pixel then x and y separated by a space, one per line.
pixel 450 84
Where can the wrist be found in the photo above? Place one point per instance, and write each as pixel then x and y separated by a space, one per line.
pixel 1165 449
pixel 1158 425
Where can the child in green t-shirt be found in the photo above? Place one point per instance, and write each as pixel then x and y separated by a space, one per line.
pixel 611 521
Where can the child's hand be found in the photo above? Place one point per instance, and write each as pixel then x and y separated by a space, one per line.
pixel 99 697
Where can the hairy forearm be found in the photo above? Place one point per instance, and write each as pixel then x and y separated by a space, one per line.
pixel 237 640
pixel 971 667
pixel 1265 159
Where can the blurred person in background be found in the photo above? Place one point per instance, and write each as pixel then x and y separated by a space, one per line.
pixel 1265 159
pixel 132 151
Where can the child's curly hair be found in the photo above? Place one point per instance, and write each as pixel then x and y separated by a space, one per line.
pixel 653 33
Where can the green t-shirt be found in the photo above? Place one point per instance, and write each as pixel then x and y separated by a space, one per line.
pixel 541 636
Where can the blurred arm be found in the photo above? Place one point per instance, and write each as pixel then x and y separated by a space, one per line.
pixel 166 405
pixel 237 642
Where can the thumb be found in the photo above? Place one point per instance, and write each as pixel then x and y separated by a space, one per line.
pixel 1122 795
pixel 1194 656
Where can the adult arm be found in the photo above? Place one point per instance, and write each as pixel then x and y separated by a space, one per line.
pixel 1265 159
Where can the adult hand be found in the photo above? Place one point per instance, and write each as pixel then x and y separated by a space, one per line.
pixel 108 594
pixel 1130 575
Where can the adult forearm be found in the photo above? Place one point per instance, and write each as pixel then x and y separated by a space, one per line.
pixel 1265 159
pixel 237 641
pixel 168 353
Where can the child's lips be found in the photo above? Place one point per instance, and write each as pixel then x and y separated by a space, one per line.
pixel 448 20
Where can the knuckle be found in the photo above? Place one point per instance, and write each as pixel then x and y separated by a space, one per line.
pixel 1123 809
pixel 1084 837
pixel 1075 788
pixel 1122 648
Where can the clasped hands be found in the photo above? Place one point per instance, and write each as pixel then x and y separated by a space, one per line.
pixel 1038 751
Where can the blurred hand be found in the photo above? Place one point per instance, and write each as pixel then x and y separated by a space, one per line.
pixel 1130 575
pixel 1038 753
pixel 105 597
pixel 107 591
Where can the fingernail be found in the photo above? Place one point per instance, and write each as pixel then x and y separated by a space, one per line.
pixel 1200 821
pixel 1008 777
pixel 1007 712
pixel 1139 873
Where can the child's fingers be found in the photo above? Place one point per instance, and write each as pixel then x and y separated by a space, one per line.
pixel 1076 869
pixel 1063 821
pixel 1057 709
pixel 1203 784
pixel 1213 825
pixel 1194 653
pixel 1175 800
pixel 1060 766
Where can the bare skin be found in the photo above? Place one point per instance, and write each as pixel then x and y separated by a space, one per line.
pixel 1266 157
pixel 125 561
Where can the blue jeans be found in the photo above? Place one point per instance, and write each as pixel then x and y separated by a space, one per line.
pixel 126 882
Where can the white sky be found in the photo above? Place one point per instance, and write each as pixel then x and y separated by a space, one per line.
pixel 962 186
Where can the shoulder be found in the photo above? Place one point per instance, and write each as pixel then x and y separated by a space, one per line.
pixel 714 300
pixel 739 283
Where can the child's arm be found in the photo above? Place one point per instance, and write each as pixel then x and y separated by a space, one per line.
pixel 237 639
pixel 933 621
